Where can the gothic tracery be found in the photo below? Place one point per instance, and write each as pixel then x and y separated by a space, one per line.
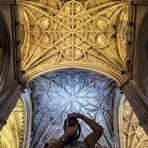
pixel 131 133
pixel 70 33
pixel 87 34
pixel 12 135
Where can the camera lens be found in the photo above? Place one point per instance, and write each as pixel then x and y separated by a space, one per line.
pixel 72 121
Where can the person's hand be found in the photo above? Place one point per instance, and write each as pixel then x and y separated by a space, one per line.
pixel 76 115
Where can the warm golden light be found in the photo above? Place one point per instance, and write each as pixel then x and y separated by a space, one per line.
pixel 84 34
pixel 131 133
pixel 87 34
pixel 12 134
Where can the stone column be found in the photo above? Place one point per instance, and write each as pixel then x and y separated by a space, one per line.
pixel 136 90
pixel 138 103
pixel 10 68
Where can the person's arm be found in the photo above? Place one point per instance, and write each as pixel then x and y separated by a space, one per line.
pixel 61 141
pixel 93 137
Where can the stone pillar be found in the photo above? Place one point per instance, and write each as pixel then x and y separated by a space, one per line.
pixel 136 90
pixel 10 67
pixel 138 103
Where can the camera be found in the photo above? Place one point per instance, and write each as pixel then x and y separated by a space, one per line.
pixel 72 121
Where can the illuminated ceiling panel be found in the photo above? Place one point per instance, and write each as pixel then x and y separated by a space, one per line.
pixel 86 34
pixel 59 93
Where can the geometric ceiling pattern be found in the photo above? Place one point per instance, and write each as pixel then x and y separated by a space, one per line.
pixel 58 93
pixel 84 34
pixel 131 133
pixel 12 135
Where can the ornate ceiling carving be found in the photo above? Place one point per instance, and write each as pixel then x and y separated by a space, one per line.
pixel 131 133
pixel 89 93
pixel 86 34
pixel 69 33
pixel 59 93
pixel 12 134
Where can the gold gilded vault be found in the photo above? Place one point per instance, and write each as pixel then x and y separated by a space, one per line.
pixel 83 34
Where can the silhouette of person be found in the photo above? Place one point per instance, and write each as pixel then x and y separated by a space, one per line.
pixel 72 130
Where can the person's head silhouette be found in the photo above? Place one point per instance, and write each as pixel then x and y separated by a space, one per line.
pixel 72 127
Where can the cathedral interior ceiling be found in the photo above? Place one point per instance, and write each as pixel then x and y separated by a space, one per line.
pixel 85 34
pixel 12 135
pixel 90 93
pixel 58 93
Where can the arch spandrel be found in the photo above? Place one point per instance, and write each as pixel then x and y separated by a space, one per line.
pixel 62 34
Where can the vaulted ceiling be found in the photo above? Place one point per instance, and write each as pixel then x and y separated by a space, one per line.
pixel 86 34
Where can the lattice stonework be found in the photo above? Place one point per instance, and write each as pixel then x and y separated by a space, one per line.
pixel 59 93
pixel 12 134
pixel 132 134
pixel 88 34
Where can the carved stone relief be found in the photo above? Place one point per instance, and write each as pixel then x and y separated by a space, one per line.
pixel 84 34
pixel 131 133
pixel 12 134
pixel 59 93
